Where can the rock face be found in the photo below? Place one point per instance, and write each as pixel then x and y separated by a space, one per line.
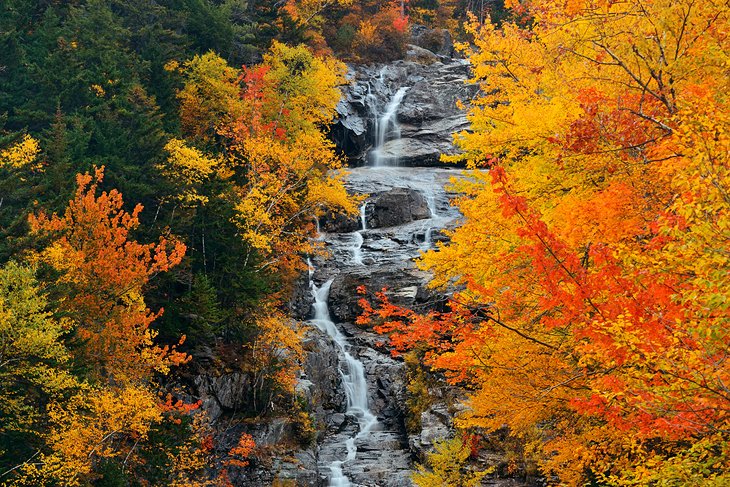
pixel 403 206
pixel 396 207
pixel 435 40
pixel 427 117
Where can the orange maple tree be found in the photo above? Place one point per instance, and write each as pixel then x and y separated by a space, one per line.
pixel 102 274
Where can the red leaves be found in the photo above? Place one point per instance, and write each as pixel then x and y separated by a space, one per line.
pixel 400 24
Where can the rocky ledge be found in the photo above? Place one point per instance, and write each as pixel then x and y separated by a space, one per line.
pixel 427 116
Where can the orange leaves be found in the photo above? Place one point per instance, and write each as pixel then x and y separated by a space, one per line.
pixel 239 454
pixel 582 249
pixel 103 273
pixel 400 24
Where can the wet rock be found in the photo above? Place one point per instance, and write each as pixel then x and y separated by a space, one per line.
pixel 320 368
pixel 396 207
pixel 338 223
pixel 300 303
pixel 435 425
pixel 344 294
pixel 428 114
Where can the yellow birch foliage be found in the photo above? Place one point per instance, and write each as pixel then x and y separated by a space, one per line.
pixel 34 362
pixel 188 168
pixel 448 465
pixel 23 154
pixel 288 161
pixel 95 425
pixel 210 97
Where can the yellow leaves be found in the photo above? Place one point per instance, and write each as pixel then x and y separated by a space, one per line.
pixel 210 97
pixel 270 119
pixel 277 351
pixel 308 11
pixel 367 33
pixel 306 87
pixel 172 66
pixel 448 465
pixel 330 193
pixel 21 155
pixel 189 168
pixel 98 423
pixel 98 90
pixel 33 358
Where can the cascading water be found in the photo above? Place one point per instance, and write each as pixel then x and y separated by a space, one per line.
pixel 353 379
pixel 358 238
pixel 356 449
pixel 386 128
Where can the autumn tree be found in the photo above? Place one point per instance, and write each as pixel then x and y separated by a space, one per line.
pixel 268 155
pixel 309 11
pixel 34 363
pixel 593 259
pixel 447 465
pixel 102 275
pixel 103 417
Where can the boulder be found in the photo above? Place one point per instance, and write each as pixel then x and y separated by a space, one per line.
pixel 420 55
pixel 438 41
pixel 338 223
pixel 405 287
pixel 396 207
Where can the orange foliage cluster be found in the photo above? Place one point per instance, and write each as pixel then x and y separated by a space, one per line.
pixel 110 411
pixel 105 272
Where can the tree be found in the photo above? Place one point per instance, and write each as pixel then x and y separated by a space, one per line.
pixel 447 465
pixel 270 120
pixel 99 422
pixel 102 274
pixel 34 363
pixel 594 253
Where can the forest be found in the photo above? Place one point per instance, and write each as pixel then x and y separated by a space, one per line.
pixel 171 169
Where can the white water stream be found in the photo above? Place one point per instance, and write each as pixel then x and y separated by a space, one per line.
pixel 353 380
pixel 358 239
pixel 386 128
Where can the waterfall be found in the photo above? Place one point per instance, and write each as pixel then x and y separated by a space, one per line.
pixel 431 202
pixel 358 239
pixel 353 380
pixel 357 449
pixel 386 124
pixel 363 216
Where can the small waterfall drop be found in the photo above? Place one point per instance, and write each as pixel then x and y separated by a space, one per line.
pixel 363 216
pixel 357 242
pixel 386 128
pixel 357 237
pixel 353 379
